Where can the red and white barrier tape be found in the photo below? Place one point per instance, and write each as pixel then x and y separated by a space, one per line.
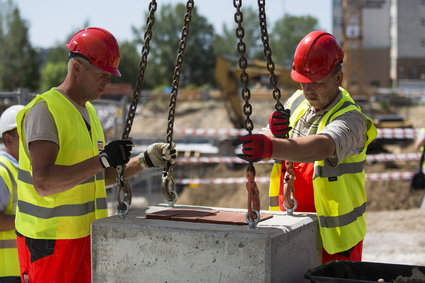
pixel 398 133
pixel 370 158
pixel 394 176
pixel 393 157
pixel 384 133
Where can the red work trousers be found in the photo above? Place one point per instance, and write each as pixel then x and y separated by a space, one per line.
pixel 304 194
pixel 48 261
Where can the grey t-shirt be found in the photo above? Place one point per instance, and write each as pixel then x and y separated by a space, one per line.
pixel 40 125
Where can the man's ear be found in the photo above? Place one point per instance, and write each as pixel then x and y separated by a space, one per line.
pixel 339 77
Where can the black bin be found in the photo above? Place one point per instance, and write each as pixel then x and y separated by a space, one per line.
pixel 358 271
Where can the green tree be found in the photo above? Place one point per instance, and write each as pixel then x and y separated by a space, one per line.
pixel 129 64
pixel 53 74
pixel 19 68
pixel 199 59
pixel 286 34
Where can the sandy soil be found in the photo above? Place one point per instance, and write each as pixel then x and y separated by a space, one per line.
pixel 396 227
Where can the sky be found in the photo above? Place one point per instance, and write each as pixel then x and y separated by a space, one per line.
pixel 51 21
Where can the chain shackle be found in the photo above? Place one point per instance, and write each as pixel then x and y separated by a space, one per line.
pixel 122 185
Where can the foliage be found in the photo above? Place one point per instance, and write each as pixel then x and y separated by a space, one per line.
pixel 19 67
pixel 53 74
pixel 199 58
pixel 129 64
pixel 227 42
pixel 21 62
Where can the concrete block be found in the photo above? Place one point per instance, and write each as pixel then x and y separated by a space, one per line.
pixel 137 249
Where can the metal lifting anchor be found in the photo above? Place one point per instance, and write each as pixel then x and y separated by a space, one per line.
pixel 253 213
pixel 289 202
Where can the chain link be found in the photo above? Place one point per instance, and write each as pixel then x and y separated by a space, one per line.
pixel 243 64
pixel 247 110
pixel 268 54
pixel 123 188
pixel 289 183
pixel 168 183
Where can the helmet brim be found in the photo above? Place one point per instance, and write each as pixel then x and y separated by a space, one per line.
pixel 111 70
pixel 301 78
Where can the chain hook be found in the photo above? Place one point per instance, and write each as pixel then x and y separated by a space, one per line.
pixel 169 185
pixel 123 204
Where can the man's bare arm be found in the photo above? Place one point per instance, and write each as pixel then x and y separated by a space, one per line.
pixel 49 178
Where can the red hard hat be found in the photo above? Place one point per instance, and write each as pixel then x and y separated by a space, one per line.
pixel 99 46
pixel 316 56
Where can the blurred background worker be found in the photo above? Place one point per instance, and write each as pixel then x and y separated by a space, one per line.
pixel 328 143
pixel 9 264
pixel 65 165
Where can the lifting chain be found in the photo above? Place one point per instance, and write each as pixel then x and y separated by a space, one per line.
pixel 253 213
pixel 123 188
pixel 168 181
pixel 290 202
pixel 268 54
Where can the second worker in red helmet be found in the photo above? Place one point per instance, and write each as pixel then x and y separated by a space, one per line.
pixel 328 139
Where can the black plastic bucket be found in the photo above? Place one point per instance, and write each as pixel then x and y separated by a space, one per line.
pixel 358 271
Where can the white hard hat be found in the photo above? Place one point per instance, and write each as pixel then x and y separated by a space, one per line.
pixel 8 118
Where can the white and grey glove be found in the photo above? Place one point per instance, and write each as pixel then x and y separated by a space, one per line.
pixel 157 155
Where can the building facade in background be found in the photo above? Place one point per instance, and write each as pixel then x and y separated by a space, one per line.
pixel 383 41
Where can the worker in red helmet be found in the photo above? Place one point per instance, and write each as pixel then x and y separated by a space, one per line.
pixel 326 149
pixel 64 164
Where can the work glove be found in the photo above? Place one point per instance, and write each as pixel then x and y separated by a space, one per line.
pixel 255 147
pixel 116 153
pixel 279 123
pixel 157 155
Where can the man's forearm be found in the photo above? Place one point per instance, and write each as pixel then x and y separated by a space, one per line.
pixel 303 149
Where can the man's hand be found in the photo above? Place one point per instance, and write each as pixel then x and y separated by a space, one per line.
pixel 279 123
pixel 255 147
pixel 157 155
pixel 116 153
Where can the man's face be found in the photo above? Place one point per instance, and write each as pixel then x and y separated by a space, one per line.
pixel 321 93
pixel 93 79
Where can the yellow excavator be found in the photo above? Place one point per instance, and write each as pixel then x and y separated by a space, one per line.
pixel 227 75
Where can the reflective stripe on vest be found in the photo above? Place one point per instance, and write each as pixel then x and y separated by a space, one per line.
pixel 68 214
pixel 342 220
pixel 62 210
pixel 8 244
pixel 341 169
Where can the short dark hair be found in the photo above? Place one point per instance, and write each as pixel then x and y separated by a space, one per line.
pixel 337 68
pixel 74 54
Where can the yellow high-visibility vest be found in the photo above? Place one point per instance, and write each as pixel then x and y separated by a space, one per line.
pixel 339 194
pixel 274 187
pixel 65 215
pixel 9 263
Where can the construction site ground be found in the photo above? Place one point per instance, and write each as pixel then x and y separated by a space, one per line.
pixel 396 224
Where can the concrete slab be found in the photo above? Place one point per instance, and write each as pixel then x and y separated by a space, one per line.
pixel 137 249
